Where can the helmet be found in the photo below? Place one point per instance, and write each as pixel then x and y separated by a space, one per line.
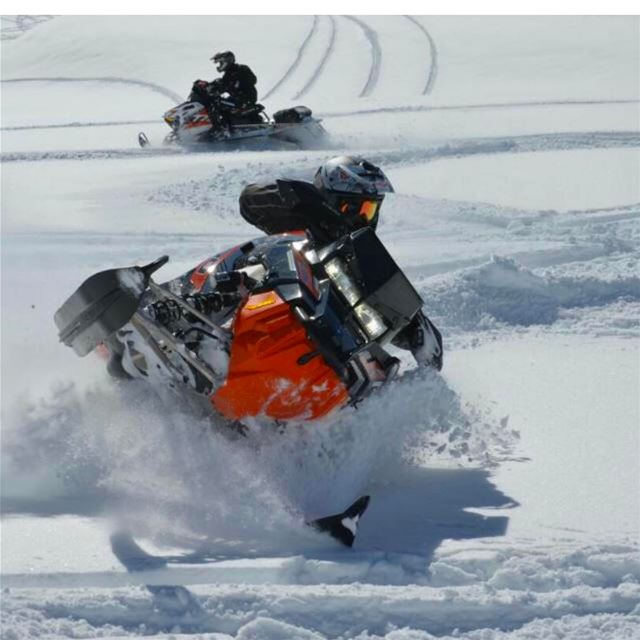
pixel 223 60
pixel 354 187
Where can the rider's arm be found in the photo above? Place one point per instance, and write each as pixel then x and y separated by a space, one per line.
pixel 423 339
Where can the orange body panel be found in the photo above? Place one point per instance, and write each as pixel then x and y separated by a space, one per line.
pixel 264 376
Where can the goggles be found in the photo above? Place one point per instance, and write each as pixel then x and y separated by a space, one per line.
pixel 364 208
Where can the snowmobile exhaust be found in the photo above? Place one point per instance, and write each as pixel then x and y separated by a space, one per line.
pixel 102 305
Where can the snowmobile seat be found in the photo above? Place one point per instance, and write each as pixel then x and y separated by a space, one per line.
pixel 292 115
pixel 254 110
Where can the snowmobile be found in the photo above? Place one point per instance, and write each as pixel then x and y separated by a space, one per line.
pixel 273 328
pixel 191 123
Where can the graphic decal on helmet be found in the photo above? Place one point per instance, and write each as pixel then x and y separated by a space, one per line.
pixel 354 187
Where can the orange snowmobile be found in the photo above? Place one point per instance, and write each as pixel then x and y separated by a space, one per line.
pixel 273 328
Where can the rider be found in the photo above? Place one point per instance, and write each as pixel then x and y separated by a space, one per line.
pixel 346 194
pixel 237 81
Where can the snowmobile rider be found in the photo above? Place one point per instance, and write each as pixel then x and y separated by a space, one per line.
pixel 237 81
pixel 346 194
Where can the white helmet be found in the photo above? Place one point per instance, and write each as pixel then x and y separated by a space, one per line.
pixel 353 186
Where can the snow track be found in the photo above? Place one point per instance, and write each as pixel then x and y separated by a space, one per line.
pixel 478 106
pixel 342 114
pixel 323 61
pixel 433 55
pixel 299 55
pixel 515 144
pixel 94 154
pixel 16 26
pixel 174 97
pixel 376 55
pixel 453 149
pixel 74 125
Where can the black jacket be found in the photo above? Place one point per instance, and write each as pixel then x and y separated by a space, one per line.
pixel 240 83
pixel 289 205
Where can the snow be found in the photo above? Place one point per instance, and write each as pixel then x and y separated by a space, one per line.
pixel 571 180
pixel 574 471
pixel 504 491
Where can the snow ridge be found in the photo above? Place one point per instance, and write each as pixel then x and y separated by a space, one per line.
pixel 502 292
pixel 594 588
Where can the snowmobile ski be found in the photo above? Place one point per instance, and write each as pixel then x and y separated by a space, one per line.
pixel 343 526
pixel 143 141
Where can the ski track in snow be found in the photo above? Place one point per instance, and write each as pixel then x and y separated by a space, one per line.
pixel 152 86
pixel 458 148
pixel 299 55
pixel 371 111
pixel 376 56
pixel 79 125
pixel 513 144
pixel 315 76
pixel 95 154
pixel 468 107
pixel 16 26
pixel 433 56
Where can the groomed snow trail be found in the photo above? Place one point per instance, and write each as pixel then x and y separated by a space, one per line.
pixel 504 490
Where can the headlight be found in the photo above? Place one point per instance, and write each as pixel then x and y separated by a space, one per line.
pixel 336 271
pixel 371 320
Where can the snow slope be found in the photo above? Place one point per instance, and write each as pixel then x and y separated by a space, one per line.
pixel 505 491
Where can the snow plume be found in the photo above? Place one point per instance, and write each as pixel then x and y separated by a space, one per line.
pixel 416 420
pixel 139 452
pixel 147 452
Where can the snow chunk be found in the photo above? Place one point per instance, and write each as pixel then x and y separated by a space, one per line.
pixel 269 629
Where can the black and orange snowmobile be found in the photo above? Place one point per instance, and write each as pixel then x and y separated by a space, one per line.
pixel 273 327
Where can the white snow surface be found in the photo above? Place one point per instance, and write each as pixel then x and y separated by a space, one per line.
pixel 505 491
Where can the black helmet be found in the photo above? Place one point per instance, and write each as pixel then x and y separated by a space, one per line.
pixel 223 60
pixel 353 186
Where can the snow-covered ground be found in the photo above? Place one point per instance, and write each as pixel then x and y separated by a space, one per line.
pixel 506 501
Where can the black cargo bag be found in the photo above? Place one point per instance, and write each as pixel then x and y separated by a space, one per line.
pixel 292 115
